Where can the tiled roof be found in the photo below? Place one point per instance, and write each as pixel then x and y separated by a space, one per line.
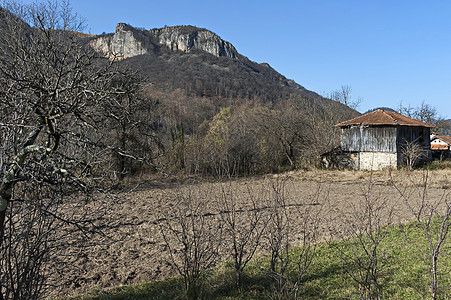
pixel 445 138
pixel 383 117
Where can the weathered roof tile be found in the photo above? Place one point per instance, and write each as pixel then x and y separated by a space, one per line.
pixel 445 138
pixel 383 117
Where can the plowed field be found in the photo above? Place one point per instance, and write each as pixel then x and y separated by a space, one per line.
pixel 130 248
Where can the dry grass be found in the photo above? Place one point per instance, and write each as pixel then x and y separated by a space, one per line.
pixel 438 178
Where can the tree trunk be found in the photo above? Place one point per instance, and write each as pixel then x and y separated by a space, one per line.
pixel 5 196
pixel 434 277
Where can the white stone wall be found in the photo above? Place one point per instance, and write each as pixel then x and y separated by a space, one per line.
pixel 376 160
pixel 438 142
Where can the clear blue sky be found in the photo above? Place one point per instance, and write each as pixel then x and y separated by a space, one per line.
pixel 387 51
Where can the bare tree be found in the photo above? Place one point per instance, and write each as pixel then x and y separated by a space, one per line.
pixel 343 95
pixel 408 111
pixel 443 126
pixel 434 218
pixel 284 133
pixel 424 112
pixel 129 126
pixel 51 90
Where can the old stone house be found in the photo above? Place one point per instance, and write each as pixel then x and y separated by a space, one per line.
pixel 379 139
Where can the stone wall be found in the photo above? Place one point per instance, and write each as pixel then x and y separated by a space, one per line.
pixel 375 160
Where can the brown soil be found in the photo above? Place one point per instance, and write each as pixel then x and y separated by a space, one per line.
pixel 131 249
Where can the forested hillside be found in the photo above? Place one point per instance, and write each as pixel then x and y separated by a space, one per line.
pixel 194 82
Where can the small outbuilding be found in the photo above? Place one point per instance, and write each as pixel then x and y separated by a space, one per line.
pixel 379 139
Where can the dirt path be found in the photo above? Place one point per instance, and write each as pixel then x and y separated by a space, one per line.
pixel 131 249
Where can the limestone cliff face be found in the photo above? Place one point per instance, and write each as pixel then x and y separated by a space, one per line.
pixel 122 44
pixel 129 42
pixel 187 38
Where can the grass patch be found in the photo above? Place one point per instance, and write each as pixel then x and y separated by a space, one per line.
pixel 439 165
pixel 406 275
pixel 162 290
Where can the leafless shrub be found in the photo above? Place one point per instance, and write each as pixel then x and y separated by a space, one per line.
pixel 26 254
pixel 412 152
pixel 192 237
pixel 292 238
pixel 365 226
pixel 277 237
pixel 244 224
pixel 279 230
pixel 37 232
pixel 311 217
pixel 434 218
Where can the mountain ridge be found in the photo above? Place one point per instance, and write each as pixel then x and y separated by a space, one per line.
pixel 187 54
pixel 198 62
pixel 128 41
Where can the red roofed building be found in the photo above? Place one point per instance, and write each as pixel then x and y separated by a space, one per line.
pixel 441 145
pixel 440 142
pixel 376 140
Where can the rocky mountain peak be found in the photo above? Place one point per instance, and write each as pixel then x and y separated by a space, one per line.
pixel 187 38
pixel 123 27
pixel 128 41
pixel 120 45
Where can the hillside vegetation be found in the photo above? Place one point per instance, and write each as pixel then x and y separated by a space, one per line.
pixel 271 123
pixel 126 157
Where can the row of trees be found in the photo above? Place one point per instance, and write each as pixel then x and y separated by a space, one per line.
pixel 252 139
